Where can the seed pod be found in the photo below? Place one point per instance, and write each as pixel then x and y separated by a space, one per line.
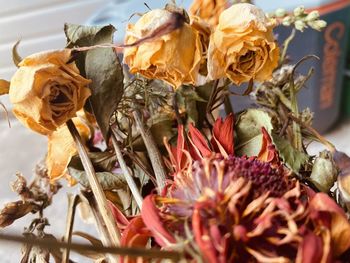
pixel 324 172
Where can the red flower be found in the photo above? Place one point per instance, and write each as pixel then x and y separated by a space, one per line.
pixel 243 210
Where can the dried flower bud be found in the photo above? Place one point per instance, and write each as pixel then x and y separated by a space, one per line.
pixel 312 16
pixel 287 21
pixel 300 25
pixel 318 24
pixel 280 12
pixel 300 10
pixel 324 172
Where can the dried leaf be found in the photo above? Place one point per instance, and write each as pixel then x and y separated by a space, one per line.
pixel 15 56
pixel 292 157
pixel 102 161
pixel 93 255
pixel 107 180
pixel 248 128
pixel 102 66
pixel 4 87
pixel 14 210
pixel 162 126
pixel 187 98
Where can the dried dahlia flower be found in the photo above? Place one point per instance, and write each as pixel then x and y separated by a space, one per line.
pixel 243 210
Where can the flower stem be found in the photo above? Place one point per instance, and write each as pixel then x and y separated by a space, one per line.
pixel 128 177
pixel 96 188
pixel 122 251
pixel 153 152
pixel 72 204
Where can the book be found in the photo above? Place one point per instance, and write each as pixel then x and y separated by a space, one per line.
pixel 323 91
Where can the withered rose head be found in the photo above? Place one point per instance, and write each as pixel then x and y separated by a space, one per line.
pixel 208 10
pixel 174 57
pixel 242 46
pixel 244 210
pixel 46 91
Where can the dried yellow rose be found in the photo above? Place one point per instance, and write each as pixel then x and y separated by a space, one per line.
pixel 46 91
pixel 242 46
pixel 174 57
pixel 208 10
pixel 61 149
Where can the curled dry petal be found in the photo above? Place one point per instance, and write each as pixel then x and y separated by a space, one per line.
pixel 61 149
pixel 198 142
pixel 222 139
pixel 135 235
pixel 46 91
pixel 152 220
pixel 208 10
pixel 339 225
pixel 268 152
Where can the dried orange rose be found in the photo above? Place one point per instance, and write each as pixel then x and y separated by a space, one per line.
pixel 242 46
pixel 173 57
pixel 208 10
pixel 46 91
pixel 61 149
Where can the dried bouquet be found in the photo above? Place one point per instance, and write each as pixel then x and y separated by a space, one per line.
pixel 155 155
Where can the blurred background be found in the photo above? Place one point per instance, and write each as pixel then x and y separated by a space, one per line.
pixel 39 26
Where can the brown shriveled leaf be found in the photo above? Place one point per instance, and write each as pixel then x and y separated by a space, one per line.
pixel 102 66
pixel 15 210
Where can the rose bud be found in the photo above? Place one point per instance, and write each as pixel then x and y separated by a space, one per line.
pixel 324 172
pixel 242 46
pixel 46 91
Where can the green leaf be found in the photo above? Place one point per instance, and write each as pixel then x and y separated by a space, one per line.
pixel 15 56
pixel 248 129
pixel 102 161
pixel 108 180
pixel 292 157
pixel 102 66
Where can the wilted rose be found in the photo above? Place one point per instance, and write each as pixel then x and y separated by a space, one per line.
pixel 46 91
pixel 242 46
pixel 173 57
pixel 208 10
